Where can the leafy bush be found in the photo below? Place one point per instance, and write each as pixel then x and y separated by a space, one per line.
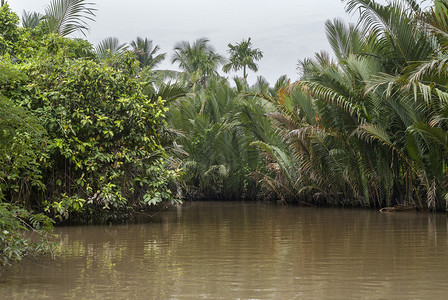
pixel 103 145
pixel 88 135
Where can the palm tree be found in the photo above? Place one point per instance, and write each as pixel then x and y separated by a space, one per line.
pixel 31 19
pixel 242 56
pixel 199 59
pixel 218 127
pixel 146 53
pixel 108 47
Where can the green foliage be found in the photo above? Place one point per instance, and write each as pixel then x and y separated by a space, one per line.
pixel 101 152
pixel 31 19
pixel 146 53
pixel 109 47
pixel 103 129
pixel 368 128
pixel 21 140
pixel 20 148
pixel 35 44
pixel 15 239
pixel 65 17
pixel 9 31
pixel 218 126
pixel 199 60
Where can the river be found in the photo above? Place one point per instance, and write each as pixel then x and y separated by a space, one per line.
pixel 230 250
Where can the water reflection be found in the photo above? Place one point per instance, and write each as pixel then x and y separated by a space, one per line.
pixel 257 251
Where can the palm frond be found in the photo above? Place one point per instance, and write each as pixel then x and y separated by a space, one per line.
pixel 68 16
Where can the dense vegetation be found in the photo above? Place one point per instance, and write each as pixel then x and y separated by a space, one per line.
pixel 80 138
pixel 365 126
pixel 92 134
pixel 368 127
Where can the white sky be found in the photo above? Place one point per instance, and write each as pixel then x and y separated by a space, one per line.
pixel 285 30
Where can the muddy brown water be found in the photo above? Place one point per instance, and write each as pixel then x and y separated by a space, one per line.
pixel 212 250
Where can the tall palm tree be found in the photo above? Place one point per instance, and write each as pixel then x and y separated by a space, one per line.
pixel 199 59
pixel 242 56
pixel 146 53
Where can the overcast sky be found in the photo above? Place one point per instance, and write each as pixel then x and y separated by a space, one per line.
pixel 285 30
